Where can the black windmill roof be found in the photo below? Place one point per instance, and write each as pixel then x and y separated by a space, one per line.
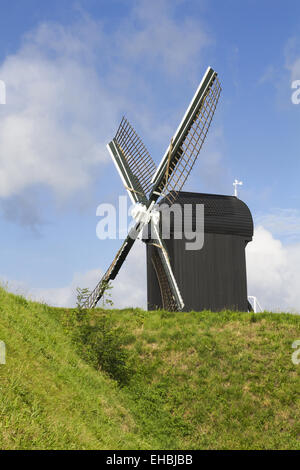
pixel 222 214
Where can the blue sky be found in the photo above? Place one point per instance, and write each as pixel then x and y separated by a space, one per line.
pixel 72 69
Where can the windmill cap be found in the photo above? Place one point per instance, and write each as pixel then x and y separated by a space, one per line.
pixel 222 214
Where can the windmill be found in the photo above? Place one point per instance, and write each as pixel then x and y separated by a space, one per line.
pixel 146 185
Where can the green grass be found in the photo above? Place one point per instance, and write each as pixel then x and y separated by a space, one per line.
pixel 147 380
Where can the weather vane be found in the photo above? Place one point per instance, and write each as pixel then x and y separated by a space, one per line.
pixel 236 184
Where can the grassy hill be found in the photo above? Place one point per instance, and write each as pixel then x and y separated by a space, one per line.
pixel 146 380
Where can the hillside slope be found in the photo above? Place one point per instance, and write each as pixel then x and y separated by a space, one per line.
pixel 50 397
pixel 140 380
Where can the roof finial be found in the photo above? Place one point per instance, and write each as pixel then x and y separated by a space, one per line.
pixel 235 184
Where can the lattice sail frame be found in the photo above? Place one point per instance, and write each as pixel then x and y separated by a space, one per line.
pixel 111 272
pixel 167 297
pixel 100 288
pixel 183 152
pixel 136 155
pixel 192 144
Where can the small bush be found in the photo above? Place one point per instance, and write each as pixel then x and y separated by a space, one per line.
pixel 103 346
pixel 82 295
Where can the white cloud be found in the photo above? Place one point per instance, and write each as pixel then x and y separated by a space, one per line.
pixel 273 271
pixel 67 86
pixel 159 39
pixel 282 223
pixel 50 131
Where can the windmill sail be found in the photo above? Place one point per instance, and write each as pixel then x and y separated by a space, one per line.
pixel 170 292
pixel 113 269
pixel 145 185
pixel 134 160
pixel 187 142
pixel 130 181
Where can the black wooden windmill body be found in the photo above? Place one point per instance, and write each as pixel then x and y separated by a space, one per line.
pixel 148 186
